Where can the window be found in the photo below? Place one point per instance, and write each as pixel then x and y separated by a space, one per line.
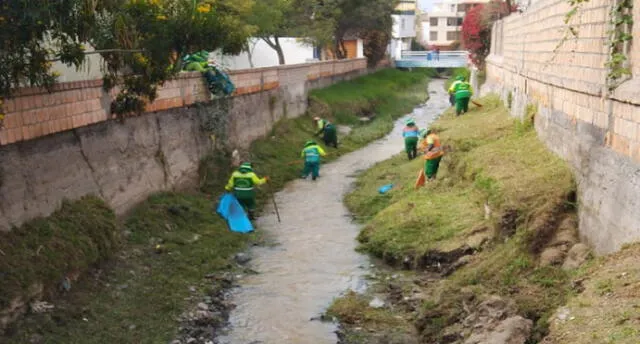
pixel 453 8
pixel 403 24
pixel 454 21
pixel 462 8
pixel 433 21
pixel 433 36
pixel 453 36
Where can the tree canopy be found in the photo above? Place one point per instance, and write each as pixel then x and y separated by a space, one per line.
pixel 143 41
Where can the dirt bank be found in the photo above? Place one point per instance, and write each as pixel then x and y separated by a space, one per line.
pixel 485 244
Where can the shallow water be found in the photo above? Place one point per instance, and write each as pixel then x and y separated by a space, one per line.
pixel 314 259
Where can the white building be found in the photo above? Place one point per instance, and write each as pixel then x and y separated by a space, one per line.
pixel 445 21
pixel 262 55
pixel 404 27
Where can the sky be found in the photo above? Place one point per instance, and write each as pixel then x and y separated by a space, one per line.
pixel 425 4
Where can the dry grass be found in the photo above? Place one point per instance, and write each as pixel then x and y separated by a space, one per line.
pixel 606 312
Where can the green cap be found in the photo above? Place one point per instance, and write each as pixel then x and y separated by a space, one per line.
pixel 460 78
pixel 410 121
pixel 423 132
pixel 310 143
pixel 246 166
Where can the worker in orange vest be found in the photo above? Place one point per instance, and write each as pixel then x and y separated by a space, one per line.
pixel 432 153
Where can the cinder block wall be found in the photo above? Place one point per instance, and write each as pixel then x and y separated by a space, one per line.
pixel 65 145
pixel 534 60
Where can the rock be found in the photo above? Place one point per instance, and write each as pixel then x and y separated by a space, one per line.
pixel 192 289
pixel 513 330
pixel 563 314
pixel 203 306
pixel 552 256
pixel 191 340
pixel 132 327
pixel 176 342
pixel 242 258
pixel 376 303
pixel 577 255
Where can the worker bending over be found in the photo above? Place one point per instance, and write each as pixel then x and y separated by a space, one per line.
pixel 328 131
pixel 411 135
pixel 242 183
pixel 462 91
pixel 432 153
pixel 311 154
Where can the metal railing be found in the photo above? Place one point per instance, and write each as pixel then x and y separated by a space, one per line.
pixel 445 59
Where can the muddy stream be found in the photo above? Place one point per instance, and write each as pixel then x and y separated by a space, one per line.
pixel 314 258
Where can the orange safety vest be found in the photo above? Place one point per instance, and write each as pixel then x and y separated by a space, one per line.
pixel 436 151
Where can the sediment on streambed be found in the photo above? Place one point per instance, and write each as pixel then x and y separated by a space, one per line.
pixel 491 243
pixel 161 272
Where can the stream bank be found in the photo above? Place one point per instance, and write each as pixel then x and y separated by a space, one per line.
pixel 484 255
pixel 313 257
pixel 172 256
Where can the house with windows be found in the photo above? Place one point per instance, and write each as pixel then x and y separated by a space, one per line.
pixel 404 27
pixel 445 22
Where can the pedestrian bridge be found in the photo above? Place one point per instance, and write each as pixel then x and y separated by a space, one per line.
pixel 446 59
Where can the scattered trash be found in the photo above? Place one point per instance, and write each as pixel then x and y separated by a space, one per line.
pixel 384 189
pixel 376 303
pixel 41 307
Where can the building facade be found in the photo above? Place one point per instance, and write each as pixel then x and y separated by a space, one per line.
pixel 404 27
pixel 445 22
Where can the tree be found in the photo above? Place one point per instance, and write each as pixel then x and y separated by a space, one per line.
pixel 275 19
pixel 33 33
pixel 334 20
pixel 162 32
pixel 141 41
pixel 477 25
pixel 375 46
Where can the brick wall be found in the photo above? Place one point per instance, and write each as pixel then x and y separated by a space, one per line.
pixel 34 112
pixel 597 131
pixel 61 145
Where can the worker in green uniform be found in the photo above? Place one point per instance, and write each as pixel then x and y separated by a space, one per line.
pixel 328 131
pixel 242 183
pixel 410 134
pixel 311 154
pixel 462 91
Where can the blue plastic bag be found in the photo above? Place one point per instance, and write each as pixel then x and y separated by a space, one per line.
pixel 384 189
pixel 230 209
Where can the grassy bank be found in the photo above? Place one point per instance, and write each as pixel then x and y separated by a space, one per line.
pixel 380 98
pixel 500 206
pixel 171 241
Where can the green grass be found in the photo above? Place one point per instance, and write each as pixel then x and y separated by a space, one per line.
pixel 492 160
pixel 139 293
pixel 44 251
pixel 387 95
pixel 143 287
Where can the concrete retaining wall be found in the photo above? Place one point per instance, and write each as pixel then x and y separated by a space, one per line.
pixel 595 130
pixel 63 145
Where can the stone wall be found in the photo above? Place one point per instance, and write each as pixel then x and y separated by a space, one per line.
pixel 63 145
pixel 536 60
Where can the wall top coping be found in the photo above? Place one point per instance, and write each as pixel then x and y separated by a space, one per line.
pixel 74 85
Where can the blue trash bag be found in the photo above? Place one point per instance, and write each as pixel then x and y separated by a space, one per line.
pixel 230 209
pixel 384 189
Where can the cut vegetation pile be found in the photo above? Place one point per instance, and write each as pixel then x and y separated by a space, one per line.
pixel 173 240
pixel 499 222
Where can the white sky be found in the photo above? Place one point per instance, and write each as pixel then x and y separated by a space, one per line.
pixel 425 4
